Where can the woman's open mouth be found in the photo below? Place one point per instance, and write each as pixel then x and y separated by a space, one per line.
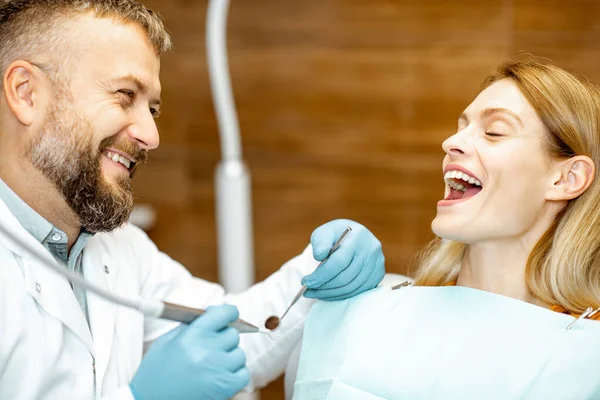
pixel 462 185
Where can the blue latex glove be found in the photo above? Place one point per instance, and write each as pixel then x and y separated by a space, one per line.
pixel 197 361
pixel 356 266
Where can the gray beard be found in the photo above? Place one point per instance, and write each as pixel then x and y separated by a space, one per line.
pixel 64 153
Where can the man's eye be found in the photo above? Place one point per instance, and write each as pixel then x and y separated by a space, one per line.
pixel 155 112
pixel 128 93
pixel 492 134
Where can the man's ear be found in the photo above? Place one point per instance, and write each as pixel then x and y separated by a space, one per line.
pixel 574 177
pixel 22 83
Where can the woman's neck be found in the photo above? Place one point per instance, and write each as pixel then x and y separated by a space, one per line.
pixel 498 267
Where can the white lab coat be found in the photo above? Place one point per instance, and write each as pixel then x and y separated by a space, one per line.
pixel 48 352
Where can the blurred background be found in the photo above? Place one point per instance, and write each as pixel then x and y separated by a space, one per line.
pixel 343 105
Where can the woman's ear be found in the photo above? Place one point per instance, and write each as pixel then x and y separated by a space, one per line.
pixel 575 176
pixel 21 84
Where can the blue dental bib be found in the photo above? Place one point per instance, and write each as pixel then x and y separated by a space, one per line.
pixel 429 343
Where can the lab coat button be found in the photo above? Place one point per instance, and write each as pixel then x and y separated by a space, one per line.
pixel 38 287
pixel 106 270
pixel 56 237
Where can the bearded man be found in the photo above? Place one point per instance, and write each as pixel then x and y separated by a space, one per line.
pixel 79 97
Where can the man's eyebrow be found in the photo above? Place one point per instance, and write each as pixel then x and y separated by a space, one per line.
pixel 141 86
pixel 488 112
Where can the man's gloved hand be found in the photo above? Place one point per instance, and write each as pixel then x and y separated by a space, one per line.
pixel 357 265
pixel 197 361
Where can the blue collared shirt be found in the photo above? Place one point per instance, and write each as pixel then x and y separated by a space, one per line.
pixel 52 238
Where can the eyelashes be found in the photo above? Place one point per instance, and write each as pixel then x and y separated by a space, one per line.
pixel 492 134
pixel 129 96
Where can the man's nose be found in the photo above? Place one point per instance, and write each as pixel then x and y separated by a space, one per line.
pixel 144 132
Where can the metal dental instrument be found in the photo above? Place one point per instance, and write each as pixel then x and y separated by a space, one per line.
pixel 273 322
pixel 150 308
pixel 585 314
pixel 401 285
pixel 596 311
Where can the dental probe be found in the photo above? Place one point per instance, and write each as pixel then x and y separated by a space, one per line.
pixel 272 323
pixel 150 308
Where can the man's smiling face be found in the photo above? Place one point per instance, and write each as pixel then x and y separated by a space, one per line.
pixel 101 124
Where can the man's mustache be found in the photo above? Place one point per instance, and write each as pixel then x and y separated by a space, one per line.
pixel 139 155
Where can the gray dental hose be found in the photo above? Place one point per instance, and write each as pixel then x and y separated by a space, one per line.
pixel 150 308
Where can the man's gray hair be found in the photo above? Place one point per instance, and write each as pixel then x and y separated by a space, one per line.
pixel 31 29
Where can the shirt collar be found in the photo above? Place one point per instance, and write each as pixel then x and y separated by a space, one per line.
pixel 34 223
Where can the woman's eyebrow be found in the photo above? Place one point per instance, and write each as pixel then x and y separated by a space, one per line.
pixel 488 112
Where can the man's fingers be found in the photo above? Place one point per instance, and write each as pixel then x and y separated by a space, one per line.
pixel 322 240
pixel 345 277
pixel 336 263
pixel 233 360
pixel 216 318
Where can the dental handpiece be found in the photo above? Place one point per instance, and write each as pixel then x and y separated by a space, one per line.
pixel 183 314
pixel 150 308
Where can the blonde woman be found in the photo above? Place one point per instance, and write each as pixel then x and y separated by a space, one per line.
pixel 496 307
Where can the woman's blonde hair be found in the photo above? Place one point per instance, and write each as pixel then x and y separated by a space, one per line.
pixel 564 266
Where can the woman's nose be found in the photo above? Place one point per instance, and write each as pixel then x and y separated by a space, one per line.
pixel 456 144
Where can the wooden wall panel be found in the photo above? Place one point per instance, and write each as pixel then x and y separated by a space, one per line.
pixel 343 105
pixel 567 34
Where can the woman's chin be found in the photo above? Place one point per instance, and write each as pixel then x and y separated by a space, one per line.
pixel 448 230
pixel 439 227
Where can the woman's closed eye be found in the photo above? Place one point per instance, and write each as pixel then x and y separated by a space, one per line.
pixel 498 129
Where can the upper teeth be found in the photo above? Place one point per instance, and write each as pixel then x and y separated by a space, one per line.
pixel 459 175
pixel 118 158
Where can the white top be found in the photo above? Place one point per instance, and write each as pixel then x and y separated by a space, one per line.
pixel 48 351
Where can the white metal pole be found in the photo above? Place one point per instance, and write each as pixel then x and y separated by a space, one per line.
pixel 232 179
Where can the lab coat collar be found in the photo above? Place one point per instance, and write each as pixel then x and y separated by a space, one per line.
pixel 51 291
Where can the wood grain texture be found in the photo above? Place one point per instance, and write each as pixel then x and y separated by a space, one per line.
pixel 343 105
